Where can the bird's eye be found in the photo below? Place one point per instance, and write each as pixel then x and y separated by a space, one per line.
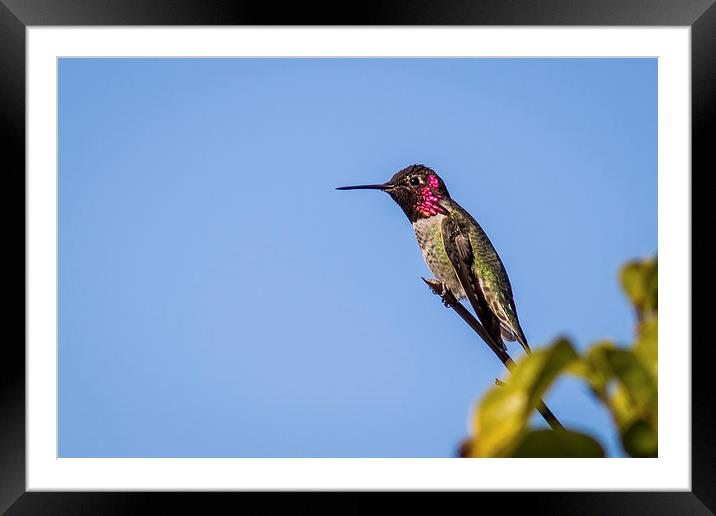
pixel 415 181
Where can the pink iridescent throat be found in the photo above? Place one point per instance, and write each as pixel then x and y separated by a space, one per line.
pixel 429 204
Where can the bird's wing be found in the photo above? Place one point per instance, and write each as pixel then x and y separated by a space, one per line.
pixel 460 252
pixel 499 300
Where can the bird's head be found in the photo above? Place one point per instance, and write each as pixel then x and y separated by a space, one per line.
pixel 417 189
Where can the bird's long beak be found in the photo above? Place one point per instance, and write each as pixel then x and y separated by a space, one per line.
pixel 384 186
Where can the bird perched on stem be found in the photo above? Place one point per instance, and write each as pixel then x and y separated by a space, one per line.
pixel 456 249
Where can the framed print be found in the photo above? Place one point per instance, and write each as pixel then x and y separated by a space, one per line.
pixel 210 306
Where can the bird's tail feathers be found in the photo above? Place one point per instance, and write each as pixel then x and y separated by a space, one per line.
pixel 523 342
pixel 511 335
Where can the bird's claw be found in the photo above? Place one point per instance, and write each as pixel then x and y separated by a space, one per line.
pixel 438 287
pixel 443 291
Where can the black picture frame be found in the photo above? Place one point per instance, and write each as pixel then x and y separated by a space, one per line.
pixel 17 15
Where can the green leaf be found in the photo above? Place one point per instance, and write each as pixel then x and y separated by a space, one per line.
pixel 636 395
pixel 634 377
pixel 594 367
pixel 557 443
pixel 640 439
pixel 640 283
pixel 505 409
pixel 621 407
pixel 646 347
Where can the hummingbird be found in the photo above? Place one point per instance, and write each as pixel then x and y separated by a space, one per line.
pixel 456 249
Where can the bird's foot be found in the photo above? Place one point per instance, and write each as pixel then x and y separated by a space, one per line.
pixel 439 288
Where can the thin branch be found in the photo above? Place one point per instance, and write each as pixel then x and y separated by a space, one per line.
pixel 450 301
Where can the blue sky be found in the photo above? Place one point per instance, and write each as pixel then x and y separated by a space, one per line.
pixel 218 298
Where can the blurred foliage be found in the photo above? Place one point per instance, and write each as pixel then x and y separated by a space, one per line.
pixel 624 379
pixel 640 282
